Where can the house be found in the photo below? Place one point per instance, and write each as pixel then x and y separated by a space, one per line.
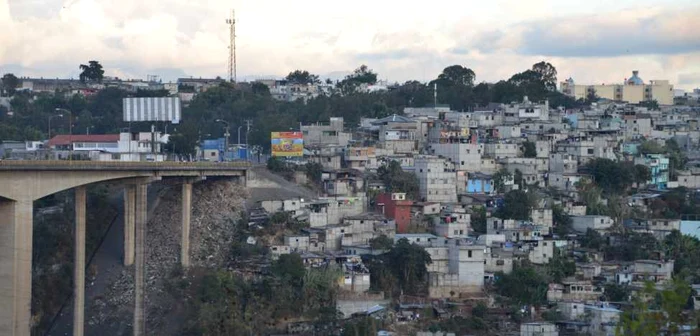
pixel 453 224
pixel 658 165
pixel 342 182
pixel 326 133
pixel 538 329
pixel 479 183
pixel 331 210
pixel 594 222
pixel 659 227
pixel 569 290
pixel 395 206
pixel 603 319
pixel 437 179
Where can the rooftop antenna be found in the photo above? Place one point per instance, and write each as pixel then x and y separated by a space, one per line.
pixel 232 47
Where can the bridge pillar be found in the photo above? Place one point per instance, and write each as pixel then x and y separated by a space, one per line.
pixel 186 216
pixel 129 222
pixel 15 266
pixel 79 265
pixel 141 212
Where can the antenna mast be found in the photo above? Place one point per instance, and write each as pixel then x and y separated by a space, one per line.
pixel 232 47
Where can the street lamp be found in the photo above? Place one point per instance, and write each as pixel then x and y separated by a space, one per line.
pixel 51 117
pixel 70 130
pixel 226 135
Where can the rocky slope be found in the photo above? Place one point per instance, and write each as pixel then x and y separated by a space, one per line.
pixel 217 205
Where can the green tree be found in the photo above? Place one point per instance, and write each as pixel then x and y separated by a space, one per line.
pixel 397 180
pixel 499 179
pixel 548 74
pixel 617 293
pixel 612 177
pixel 290 269
pixel 361 75
pixel 381 243
pixel 560 267
pixel 642 174
pixel 91 72
pixel 362 327
pixel 591 96
pixel 562 220
pixel 592 239
pixel 523 286
pixel 408 263
pixel 314 171
pixel 684 250
pixel 661 315
pixel 302 77
pixel 478 218
pixel 529 149
pixel 10 82
pixel 480 310
pixel 260 89
pixel 650 104
pixel 456 75
pixel 650 147
pixel 517 204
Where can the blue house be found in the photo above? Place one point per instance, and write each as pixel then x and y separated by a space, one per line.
pixel 479 183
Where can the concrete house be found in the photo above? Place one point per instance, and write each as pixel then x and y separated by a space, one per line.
pixel 437 179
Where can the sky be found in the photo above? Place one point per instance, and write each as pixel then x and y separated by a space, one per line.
pixel 592 41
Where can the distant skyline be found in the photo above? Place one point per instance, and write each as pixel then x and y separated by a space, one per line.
pixel 592 41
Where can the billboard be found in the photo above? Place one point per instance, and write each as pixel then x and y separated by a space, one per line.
pixel 152 109
pixel 287 144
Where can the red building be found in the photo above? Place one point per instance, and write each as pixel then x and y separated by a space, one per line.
pixel 395 206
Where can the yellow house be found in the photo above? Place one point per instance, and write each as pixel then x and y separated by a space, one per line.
pixel 633 90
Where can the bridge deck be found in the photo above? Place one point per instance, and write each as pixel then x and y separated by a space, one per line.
pixel 53 165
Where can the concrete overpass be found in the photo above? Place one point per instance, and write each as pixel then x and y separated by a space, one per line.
pixel 23 182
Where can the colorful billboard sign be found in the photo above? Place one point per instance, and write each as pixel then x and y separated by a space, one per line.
pixel 287 144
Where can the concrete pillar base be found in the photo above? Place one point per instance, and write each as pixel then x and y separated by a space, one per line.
pixel 79 265
pixel 141 213
pixel 129 222
pixel 186 216
pixel 15 266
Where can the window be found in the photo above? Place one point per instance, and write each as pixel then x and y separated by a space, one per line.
pixel 469 253
pixel 500 262
pixel 544 244
pixel 590 151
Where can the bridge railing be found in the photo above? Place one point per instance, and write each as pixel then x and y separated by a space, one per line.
pixel 85 164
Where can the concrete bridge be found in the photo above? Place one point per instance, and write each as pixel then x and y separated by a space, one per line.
pixel 23 182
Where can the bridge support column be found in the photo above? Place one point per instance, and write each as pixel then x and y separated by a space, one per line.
pixel 79 264
pixel 186 216
pixel 141 212
pixel 15 266
pixel 129 222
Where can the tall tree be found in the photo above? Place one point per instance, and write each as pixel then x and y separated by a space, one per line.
pixel 91 72
pixel 548 74
pixel 302 77
pixel 529 149
pixel 457 75
pixel 408 263
pixel 10 82
pixel 361 75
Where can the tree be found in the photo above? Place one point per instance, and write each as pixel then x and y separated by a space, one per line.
pixel 10 82
pixel 523 286
pixel 381 243
pixel 479 219
pixel 592 239
pixel 529 149
pixel 314 171
pixel 650 104
pixel 91 72
pixel 548 74
pixel 591 96
pixel 684 250
pixel 361 75
pixel 396 180
pixel 260 89
pixel 456 75
pixel 480 310
pixel 302 77
pixel 612 177
pixel 617 293
pixel 560 267
pixel 517 204
pixel 562 220
pixel 650 147
pixel 290 268
pixel 500 178
pixel 662 315
pixel 642 174
pixel 408 263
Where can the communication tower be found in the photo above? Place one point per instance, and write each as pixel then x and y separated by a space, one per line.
pixel 232 47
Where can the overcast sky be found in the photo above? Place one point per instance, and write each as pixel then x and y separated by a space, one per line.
pixel 593 41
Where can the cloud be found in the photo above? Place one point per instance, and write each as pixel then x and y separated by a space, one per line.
pixel 632 32
pixel 176 38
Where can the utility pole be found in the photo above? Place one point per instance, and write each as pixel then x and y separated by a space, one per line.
pixel 248 124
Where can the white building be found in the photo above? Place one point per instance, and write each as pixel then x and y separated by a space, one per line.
pixel 437 179
pixel 538 329
pixel 595 222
